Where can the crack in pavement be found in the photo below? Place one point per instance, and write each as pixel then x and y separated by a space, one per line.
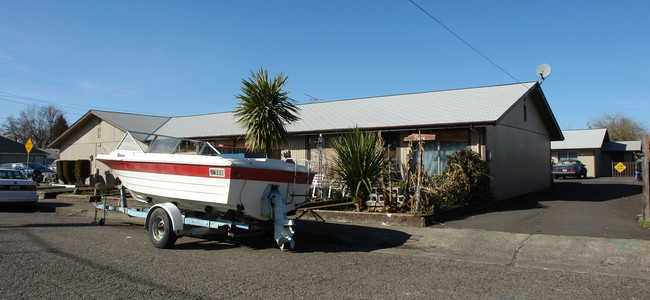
pixel 516 254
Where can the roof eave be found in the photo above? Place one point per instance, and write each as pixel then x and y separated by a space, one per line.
pixel 555 133
pixel 55 142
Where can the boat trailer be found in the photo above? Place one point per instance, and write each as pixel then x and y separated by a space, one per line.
pixel 165 222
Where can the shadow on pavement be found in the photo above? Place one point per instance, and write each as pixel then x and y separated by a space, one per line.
pixel 601 207
pixel 60 225
pixel 310 236
pixel 31 208
pixel 314 236
pixel 590 190
pixel 578 190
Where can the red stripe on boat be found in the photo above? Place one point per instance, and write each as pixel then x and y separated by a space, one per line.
pixel 204 171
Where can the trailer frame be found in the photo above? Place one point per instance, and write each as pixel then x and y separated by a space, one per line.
pixel 165 228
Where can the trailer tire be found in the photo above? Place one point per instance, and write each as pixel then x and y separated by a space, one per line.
pixel 161 232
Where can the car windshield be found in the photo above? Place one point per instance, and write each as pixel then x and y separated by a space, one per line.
pixel 11 174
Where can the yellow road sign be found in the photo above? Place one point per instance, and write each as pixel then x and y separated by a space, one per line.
pixel 620 167
pixel 29 145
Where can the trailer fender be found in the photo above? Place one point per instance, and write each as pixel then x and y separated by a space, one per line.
pixel 172 211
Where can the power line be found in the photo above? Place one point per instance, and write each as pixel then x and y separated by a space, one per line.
pixel 464 41
pixel 4 95
pixel 95 89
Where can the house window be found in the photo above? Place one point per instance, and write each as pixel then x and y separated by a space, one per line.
pixel 99 131
pixel 435 155
pixel 567 155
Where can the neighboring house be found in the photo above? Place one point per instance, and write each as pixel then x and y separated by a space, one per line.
pixel 12 151
pixel 594 148
pixel 99 132
pixel 511 126
pixel 52 155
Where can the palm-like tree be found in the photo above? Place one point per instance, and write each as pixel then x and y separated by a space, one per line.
pixel 265 110
pixel 359 160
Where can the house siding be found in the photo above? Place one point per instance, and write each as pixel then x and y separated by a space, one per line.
pixel 89 140
pixel 519 152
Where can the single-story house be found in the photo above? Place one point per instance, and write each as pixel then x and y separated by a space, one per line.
pixel 52 154
pixel 511 126
pixel 12 151
pixel 594 148
pixel 100 132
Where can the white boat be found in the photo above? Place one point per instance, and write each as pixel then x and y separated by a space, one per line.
pixel 195 177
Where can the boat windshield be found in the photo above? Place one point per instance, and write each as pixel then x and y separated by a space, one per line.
pixel 171 145
pixel 165 144
pixel 128 143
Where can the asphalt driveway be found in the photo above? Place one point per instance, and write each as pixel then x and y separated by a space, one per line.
pixel 601 207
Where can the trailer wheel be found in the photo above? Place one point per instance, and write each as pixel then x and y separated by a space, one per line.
pixel 161 232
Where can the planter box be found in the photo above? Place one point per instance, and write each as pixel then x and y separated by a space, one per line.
pixel 386 219
pixel 393 219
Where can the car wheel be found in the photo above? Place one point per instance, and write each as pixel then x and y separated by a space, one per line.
pixel 161 232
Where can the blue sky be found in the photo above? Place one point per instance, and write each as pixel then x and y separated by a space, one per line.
pixel 175 58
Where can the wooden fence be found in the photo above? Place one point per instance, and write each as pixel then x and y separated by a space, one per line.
pixel 623 169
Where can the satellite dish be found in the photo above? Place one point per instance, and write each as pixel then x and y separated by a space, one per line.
pixel 543 71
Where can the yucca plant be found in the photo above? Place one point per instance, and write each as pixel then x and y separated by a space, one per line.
pixel 359 160
pixel 265 110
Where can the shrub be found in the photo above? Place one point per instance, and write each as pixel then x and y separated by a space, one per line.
pixel 59 170
pixel 68 171
pixel 105 189
pixel 466 179
pixel 81 170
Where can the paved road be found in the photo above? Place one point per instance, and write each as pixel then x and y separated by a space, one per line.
pixel 61 255
pixel 53 251
pixel 603 207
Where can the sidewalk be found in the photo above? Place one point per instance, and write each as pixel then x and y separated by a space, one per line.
pixel 629 258
pixel 606 256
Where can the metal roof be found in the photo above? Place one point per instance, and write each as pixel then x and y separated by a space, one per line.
pixel 632 146
pixel 122 121
pixel 448 107
pixel 581 139
pixel 438 109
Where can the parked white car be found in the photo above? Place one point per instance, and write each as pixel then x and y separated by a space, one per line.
pixel 16 188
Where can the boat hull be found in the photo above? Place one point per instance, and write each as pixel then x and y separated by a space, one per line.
pixel 215 185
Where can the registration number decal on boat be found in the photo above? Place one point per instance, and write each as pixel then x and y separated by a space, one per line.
pixel 217 172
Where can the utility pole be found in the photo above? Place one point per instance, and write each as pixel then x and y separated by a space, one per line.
pixel 646 180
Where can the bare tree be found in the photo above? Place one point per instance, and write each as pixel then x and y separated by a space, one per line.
pixel 620 127
pixel 36 123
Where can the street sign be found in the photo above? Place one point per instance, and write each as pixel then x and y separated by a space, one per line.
pixel 29 145
pixel 620 167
